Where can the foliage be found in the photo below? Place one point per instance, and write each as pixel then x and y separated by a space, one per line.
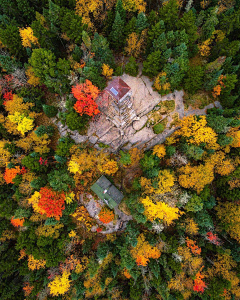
pixel 144 251
pixel 28 38
pixel 106 215
pixel 51 202
pixel 131 67
pixel 85 94
pixel 60 285
pixel 160 211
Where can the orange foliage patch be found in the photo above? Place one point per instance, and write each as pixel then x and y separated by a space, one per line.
pixel 53 203
pixel 17 222
pixel 199 284
pixel 10 174
pixel 27 289
pixel 194 248
pixel 106 215
pixel 86 93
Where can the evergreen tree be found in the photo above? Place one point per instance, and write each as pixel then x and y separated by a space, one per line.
pixel 152 66
pixel 121 10
pixel 50 111
pixel 209 25
pixel 169 14
pixel 130 27
pixel 71 24
pixel 187 23
pixel 160 43
pixel 100 47
pixel 10 38
pixel 116 35
pixel 194 79
pixel 131 67
pixel 141 22
pixel 154 33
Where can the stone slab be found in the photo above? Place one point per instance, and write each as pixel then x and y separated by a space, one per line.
pixel 111 135
pixel 137 125
pixel 143 135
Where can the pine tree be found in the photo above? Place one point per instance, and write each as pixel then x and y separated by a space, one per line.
pixel 141 22
pixel 121 10
pixel 187 22
pixel 116 35
pixel 169 14
pixel 160 43
pixel 152 66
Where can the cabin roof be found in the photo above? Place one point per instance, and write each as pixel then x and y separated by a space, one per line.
pixel 117 88
pixel 112 197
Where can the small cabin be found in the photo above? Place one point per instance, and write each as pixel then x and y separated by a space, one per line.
pixel 115 102
pixel 119 90
pixel 106 191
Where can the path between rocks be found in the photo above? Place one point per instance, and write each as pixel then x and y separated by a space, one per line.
pixel 139 133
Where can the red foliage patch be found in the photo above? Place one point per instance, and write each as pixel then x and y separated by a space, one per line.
pixel 52 202
pixel 86 93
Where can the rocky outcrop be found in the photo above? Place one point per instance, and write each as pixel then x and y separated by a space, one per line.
pixel 139 133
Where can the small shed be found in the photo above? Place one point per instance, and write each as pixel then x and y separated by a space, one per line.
pixel 106 191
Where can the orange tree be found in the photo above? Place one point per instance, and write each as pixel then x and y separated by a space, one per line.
pixel 86 93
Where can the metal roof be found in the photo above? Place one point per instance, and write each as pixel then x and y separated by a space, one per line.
pixel 117 88
pixel 112 197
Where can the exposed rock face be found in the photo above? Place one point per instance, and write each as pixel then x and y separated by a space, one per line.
pixel 138 133
pixel 137 125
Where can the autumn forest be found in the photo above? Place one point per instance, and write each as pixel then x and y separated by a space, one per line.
pixel 170 228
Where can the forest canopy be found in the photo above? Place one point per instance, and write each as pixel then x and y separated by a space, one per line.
pixel 178 234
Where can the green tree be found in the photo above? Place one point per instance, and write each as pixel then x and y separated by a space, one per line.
pixel 71 24
pixel 169 14
pixel 141 22
pixel 50 111
pixel 194 79
pixel 121 10
pixel 131 67
pixel 187 23
pixel 154 32
pixel 209 25
pixel 10 38
pixel 160 43
pixel 100 47
pixel 152 66
pixel 60 180
pixel 116 35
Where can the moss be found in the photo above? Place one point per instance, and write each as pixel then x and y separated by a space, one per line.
pixel 102 145
pixel 158 128
pixel 175 118
pixel 199 100
pixel 167 106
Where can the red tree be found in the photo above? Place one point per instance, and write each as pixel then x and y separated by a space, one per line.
pixel 86 93
pixel 52 202
pixel 199 284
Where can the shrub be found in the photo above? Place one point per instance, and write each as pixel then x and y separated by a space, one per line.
pixel 76 122
pixel 158 128
pixel 50 111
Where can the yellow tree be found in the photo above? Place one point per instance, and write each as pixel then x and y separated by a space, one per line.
pixel 196 131
pixel 229 214
pixel 160 210
pixel 28 39
pixel 196 177
pixel 135 43
pixel 60 285
pixel 107 71
pixel 144 251
pixel 134 5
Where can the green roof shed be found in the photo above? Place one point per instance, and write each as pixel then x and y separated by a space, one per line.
pixel 107 192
